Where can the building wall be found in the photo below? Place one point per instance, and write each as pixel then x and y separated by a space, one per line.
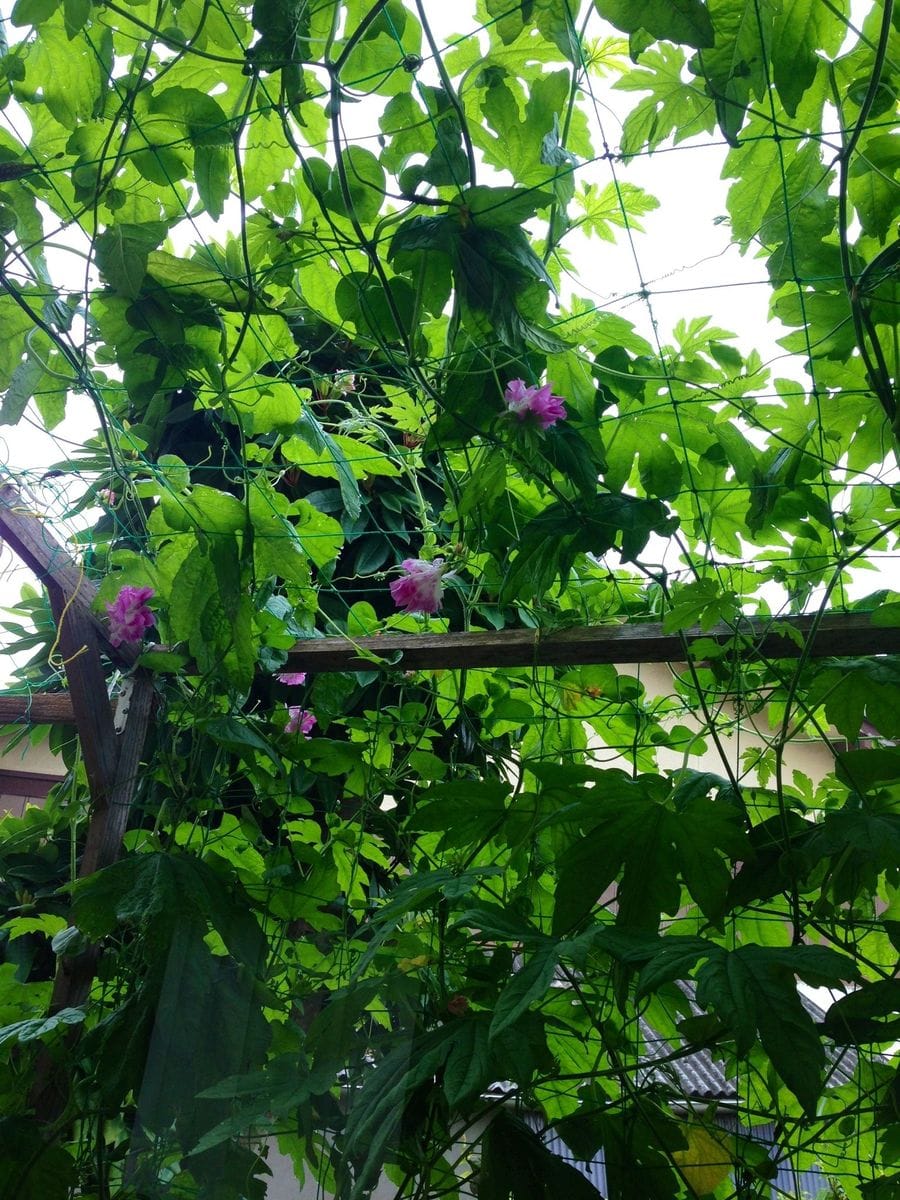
pixel 738 733
pixel 27 774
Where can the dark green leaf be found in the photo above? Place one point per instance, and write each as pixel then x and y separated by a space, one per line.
pixel 859 1018
pixel 673 20
pixel 212 173
pixel 551 542
pixel 516 1165
pixel 752 989
pixel 468 1067
pixel 76 13
pixel 30 1167
pixel 529 984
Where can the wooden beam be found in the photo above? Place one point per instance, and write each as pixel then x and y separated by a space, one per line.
pixel 108 824
pixel 28 535
pixel 77 646
pixel 42 708
pixel 836 635
pixel 839 635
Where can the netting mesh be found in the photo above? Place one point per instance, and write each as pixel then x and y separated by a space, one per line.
pixel 257 317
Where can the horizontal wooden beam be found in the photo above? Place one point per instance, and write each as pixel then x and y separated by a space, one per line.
pixel 836 634
pixel 42 708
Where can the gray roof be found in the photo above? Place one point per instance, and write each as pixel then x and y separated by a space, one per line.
pixel 700 1076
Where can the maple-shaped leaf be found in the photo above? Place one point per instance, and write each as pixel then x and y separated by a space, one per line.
pixel 655 849
pixel 753 991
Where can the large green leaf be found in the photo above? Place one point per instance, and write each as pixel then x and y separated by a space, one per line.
pixel 516 1165
pixel 121 254
pixel 670 20
pixel 803 28
pixel 753 991
pixel 152 892
pixel 550 543
pixel 528 985
pixel 653 847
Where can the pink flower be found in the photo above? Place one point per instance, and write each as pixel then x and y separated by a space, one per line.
pixel 292 678
pixel 534 401
pixel 129 615
pixel 421 589
pixel 108 496
pixel 299 720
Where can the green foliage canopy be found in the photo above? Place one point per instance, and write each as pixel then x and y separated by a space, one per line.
pixel 296 340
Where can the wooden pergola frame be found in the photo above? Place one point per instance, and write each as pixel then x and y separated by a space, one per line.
pixel 833 635
pixel 112 759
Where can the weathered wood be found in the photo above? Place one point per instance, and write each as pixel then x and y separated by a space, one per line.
pixel 28 535
pixel 108 825
pixel 43 708
pixel 111 763
pixel 87 691
pixel 103 844
pixel 837 634
pixel 78 647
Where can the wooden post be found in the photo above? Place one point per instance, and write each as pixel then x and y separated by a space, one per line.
pixel 111 762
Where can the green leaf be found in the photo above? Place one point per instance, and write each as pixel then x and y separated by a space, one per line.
pixel 15 323
pixel 468 1068
pixel 319 441
pixel 550 543
pixel 152 892
pixel 121 253
pixel 68 73
pixel 26 378
pixel 466 812
pixel 203 117
pixel 30 1168
pixel 206 1016
pixel 379 1107
pixel 802 27
pixel 164 661
pixel 752 990
pixel 859 1019
pixel 212 174
pixel 872 184
pixel 274 406
pixel 496 207
pixel 672 20
pixel 865 770
pixel 362 175
pixel 33 12
pixel 499 924
pixel 241 736
pixel 701 603
pixel 41 1027
pixel 528 985
pixel 885 1188
pixel 652 847
pixel 77 13
pixel 516 1165
pixel 187 277
pixel 320 536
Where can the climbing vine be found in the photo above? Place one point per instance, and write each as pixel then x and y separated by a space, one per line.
pixel 321 274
